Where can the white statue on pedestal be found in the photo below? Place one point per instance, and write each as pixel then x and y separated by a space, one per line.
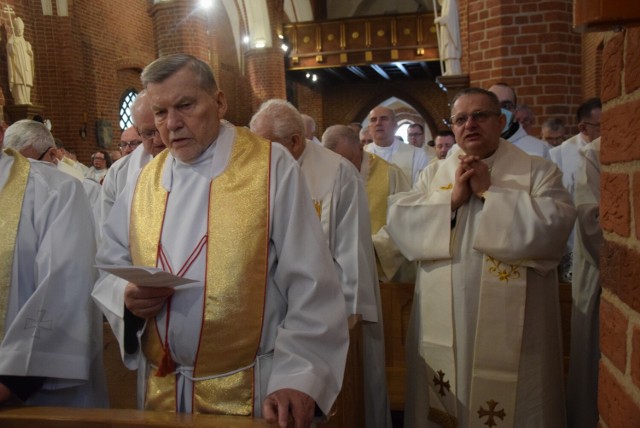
pixel 449 37
pixel 20 63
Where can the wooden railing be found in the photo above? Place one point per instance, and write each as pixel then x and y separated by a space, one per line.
pixel 348 409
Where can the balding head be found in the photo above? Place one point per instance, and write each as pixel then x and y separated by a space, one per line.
pixel 382 126
pixel 129 140
pixel 344 141
pixel 279 121
pixel 309 126
pixel 145 125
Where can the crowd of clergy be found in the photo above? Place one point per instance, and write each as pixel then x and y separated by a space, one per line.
pixel 227 260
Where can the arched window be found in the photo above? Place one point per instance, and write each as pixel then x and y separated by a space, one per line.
pixel 126 101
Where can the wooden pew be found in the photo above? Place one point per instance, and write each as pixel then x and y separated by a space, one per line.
pixel 60 417
pixel 348 409
pixel 397 299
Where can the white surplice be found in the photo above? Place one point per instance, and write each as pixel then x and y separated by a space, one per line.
pixel 410 159
pixel 116 179
pixel 304 338
pixel 53 328
pixel 338 194
pixel 582 381
pixel 529 144
pixel 528 228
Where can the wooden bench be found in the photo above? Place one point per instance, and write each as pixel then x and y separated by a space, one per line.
pixel 397 299
pixel 348 409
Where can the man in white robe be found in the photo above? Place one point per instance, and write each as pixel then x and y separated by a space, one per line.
pixel 116 179
pixel 341 203
pixel 582 381
pixel 33 140
pixel 381 180
pixel 302 338
pixel 382 127
pixel 567 157
pixel 487 225
pixel 513 131
pixel 51 332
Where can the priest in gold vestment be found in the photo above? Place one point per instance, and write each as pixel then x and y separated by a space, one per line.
pixel 263 331
pixel 488 226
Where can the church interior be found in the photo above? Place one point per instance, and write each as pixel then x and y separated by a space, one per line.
pixel 336 60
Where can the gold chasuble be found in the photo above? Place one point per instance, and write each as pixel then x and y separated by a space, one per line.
pixel 377 191
pixel 500 322
pixel 235 279
pixel 11 197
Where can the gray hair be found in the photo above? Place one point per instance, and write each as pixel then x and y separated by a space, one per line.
pixel 137 105
pixel 25 133
pixel 554 124
pixel 337 134
pixel 284 118
pixel 309 123
pixel 166 66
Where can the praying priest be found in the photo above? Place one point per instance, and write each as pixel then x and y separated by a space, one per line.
pixel 488 226
pixel 262 333
pixel 50 330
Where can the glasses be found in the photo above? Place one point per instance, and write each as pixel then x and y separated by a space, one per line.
pixel 508 105
pixel 148 134
pixel 132 144
pixel 595 125
pixel 479 116
pixel 97 158
pixel 44 154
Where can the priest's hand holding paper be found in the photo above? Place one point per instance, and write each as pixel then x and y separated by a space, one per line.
pixel 145 302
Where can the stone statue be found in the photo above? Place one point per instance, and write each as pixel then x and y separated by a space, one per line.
pixel 449 37
pixel 21 64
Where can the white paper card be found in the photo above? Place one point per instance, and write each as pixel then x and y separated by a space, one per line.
pixel 148 276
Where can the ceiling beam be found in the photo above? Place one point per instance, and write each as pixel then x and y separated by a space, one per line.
pixel 402 68
pixel 380 71
pixel 356 70
pixel 336 74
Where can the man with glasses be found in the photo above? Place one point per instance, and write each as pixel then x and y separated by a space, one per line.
pixel 553 132
pixel 144 131
pixel 567 157
pixel 100 164
pixel 513 130
pixel 129 140
pixel 415 136
pixel 487 225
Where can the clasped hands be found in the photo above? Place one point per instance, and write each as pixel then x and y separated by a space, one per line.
pixel 472 178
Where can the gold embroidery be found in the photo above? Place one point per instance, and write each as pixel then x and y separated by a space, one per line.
pixel 447 187
pixel 442 418
pixel 491 413
pixel 501 272
pixel 318 206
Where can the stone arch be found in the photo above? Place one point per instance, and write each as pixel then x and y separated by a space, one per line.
pixel 428 112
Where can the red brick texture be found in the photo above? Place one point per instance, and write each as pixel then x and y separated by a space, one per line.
pixel 528 44
pixel 612 66
pixel 620 273
pixel 621 133
pixel 613 335
pixel 632 69
pixel 615 404
pixel 615 208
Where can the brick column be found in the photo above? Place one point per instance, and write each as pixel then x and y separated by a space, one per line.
pixel 265 69
pixel 529 45
pixel 619 383
pixel 180 27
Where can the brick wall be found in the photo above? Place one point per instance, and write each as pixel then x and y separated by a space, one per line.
pixel 528 44
pixel 619 393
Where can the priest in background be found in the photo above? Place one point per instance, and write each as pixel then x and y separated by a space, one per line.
pixel 341 205
pixel 262 332
pixel 488 226
pixel 50 330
